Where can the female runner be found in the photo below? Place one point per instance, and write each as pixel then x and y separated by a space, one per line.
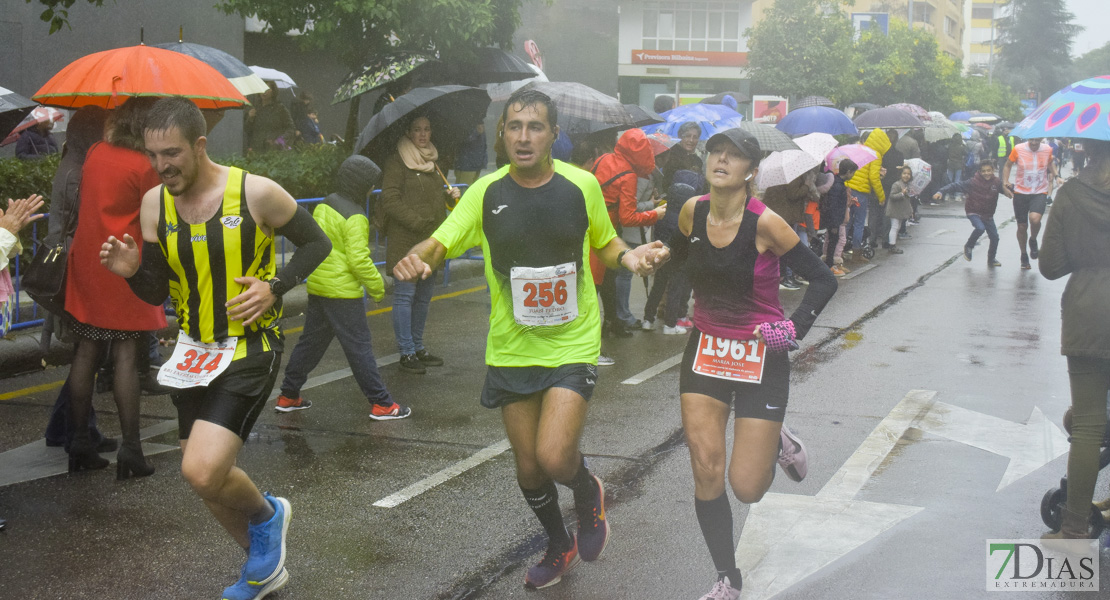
pixel 737 350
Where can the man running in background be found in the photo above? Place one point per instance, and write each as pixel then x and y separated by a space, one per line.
pixel 208 244
pixel 1036 174
pixel 536 220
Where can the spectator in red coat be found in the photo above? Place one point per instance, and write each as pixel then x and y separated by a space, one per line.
pixel 619 172
pixel 101 307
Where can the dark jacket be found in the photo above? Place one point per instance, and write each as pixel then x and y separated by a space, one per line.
pixel 414 205
pixel 836 202
pixel 271 121
pixel 32 144
pixel 982 195
pixel 472 153
pixel 1077 243
pixel 892 162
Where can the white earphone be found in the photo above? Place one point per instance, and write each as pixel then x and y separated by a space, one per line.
pixel 748 177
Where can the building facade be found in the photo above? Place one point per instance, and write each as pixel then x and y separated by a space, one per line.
pixel 981 41
pixel 944 19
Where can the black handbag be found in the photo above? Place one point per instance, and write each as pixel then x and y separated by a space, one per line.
pixel 45 278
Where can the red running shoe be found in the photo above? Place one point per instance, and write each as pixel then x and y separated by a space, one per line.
pixel 552 567
pixel 286 404
pixel 389 413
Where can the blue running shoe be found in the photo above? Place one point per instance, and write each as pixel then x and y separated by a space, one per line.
pixel 245 591
pixel 267 554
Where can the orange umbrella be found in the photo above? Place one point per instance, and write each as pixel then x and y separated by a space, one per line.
pixel 108 78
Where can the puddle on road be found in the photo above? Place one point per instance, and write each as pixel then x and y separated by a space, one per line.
pixel 851 339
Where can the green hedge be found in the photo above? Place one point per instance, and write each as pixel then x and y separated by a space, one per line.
pixel 21 178
pixel 306 172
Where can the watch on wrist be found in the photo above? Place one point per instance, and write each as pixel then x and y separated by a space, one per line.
pixel 620 259
pixel 273 282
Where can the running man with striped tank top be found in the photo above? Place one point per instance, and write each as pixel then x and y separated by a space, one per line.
pixel 208 244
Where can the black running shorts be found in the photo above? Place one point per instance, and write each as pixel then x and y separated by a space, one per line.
pixel 765 400
pixel 234 399
pixel 505 385
pixel 1029 203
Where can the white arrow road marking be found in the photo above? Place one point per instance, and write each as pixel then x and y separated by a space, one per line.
pixel 787 538
pixel 650 372
pixel 453 471
pixel 1029 446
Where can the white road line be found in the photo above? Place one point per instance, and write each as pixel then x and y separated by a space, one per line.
pixel 320 380
pixel 644 375
pixel 863 269
pixel 850 479
pixel 445 475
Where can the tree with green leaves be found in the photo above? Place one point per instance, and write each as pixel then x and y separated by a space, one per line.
pixel 357 31
pixel 975 92
pixel 57 11
pixel 1036 40
pixel 1092 64
pixel 903 66
pixel 802 48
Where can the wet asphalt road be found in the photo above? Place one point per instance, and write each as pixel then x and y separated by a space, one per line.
pixel 982 340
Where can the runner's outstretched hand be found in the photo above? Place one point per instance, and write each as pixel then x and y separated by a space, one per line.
pixel 255 300
pixel 120 256
pixel 644 260
pixel 411 268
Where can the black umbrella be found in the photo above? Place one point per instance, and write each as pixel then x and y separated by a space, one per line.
pixel 452 109
pixel 239 74
pixel 882 118
pixel 809 101
pixel 13 109
pixel 497 66
pixel 720 98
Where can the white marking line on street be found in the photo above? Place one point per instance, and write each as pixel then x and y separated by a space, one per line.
pixel 850 479
pixel 326 378
pixel 940 232
pixel 443 476
pixel 863 269
pixel 646 374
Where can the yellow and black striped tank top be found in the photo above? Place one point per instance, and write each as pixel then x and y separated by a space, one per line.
pixel 204 261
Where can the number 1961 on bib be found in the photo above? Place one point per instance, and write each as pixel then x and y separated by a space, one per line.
pixel 734 360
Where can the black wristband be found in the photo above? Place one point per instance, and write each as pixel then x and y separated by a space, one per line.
pixel 620 259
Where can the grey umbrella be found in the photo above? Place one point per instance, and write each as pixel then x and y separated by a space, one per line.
pixel 882 118
pixel 584 102
pixel 813 101
pixel 238 73
pixel 13 109
pixel 769 138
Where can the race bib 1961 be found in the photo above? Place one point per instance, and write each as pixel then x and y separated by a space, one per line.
pixel 545 295
pixel 734 360
pixel 196 364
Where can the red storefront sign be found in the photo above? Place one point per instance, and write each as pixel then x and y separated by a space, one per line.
pixel 689 58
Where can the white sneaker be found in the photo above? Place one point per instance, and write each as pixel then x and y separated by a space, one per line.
pixel 647 325
pixel 722 590
pixel 605 361
pixel 676 330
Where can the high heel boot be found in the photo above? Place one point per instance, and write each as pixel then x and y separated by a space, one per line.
pixel 130 461
pixel 83 456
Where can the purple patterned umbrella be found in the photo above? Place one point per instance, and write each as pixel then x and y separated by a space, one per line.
pixel 913 109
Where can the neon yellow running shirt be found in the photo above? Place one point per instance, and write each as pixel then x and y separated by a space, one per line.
pixel 539 238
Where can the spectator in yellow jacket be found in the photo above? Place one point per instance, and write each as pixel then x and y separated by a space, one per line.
pixel 867 189
pixel 336 305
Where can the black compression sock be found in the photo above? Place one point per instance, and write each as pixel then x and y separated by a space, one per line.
pixel 584 487
pixel 545 503
pixel 715 519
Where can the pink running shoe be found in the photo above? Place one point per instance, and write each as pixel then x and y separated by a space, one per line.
pixel 722 590
pixel 792 455
pixel 687 323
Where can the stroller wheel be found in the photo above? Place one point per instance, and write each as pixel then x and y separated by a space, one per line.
pixel 1052 508
pixel 868 252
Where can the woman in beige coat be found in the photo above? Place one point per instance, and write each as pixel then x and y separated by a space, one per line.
pixel 413 204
